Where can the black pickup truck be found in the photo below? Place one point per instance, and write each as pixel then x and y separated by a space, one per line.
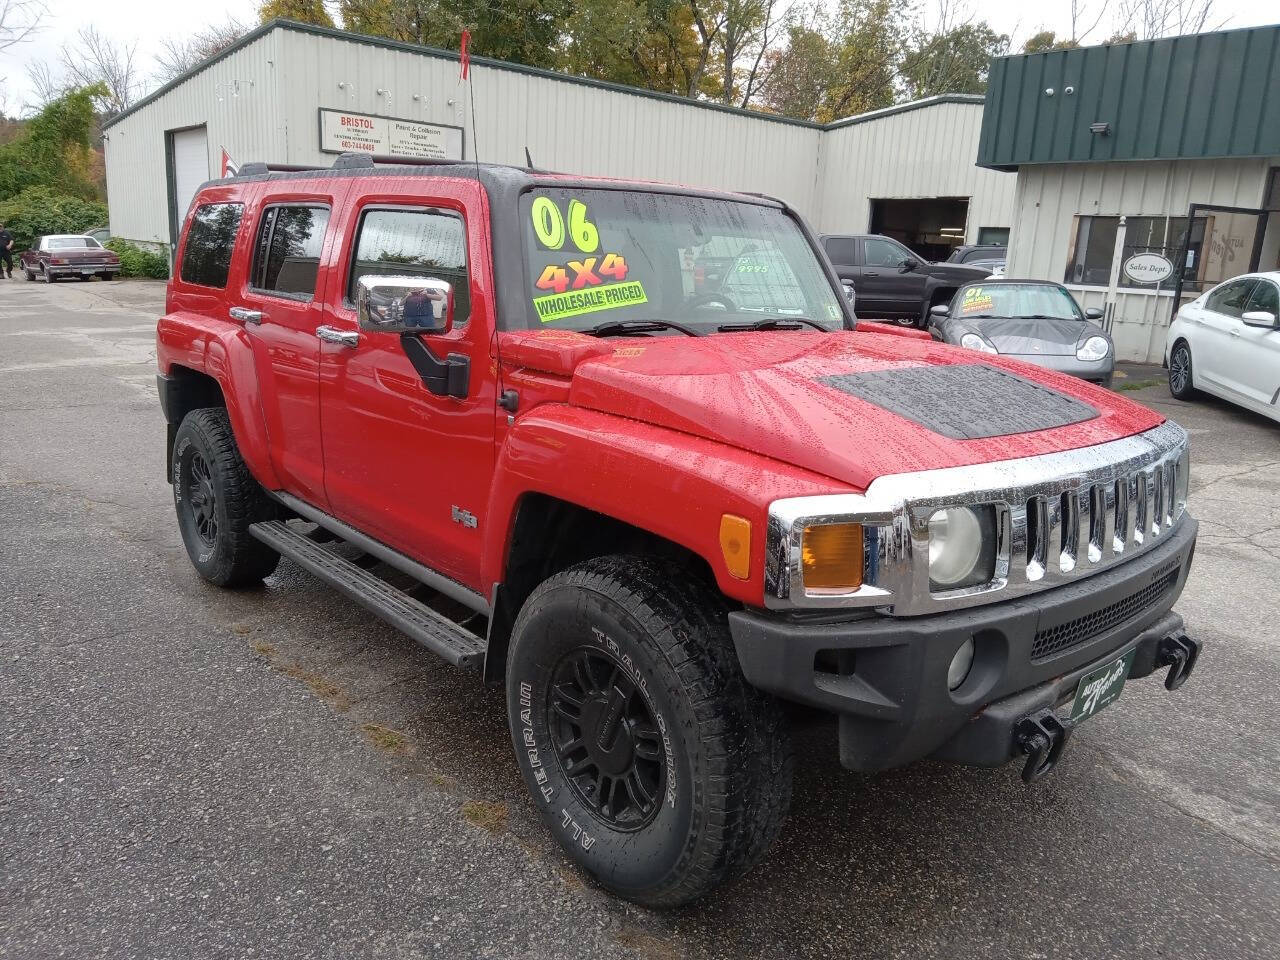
pixel 893 283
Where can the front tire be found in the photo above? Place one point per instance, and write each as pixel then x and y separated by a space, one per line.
pixel 654 763
pixel 1180 372
pixel 217 499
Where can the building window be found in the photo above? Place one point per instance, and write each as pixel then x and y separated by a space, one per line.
pixel 993 236
pixel 1094 249
pixel 288 253
pixel 206 258
pixel 417 243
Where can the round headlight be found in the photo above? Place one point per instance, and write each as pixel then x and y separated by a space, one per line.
pixel 955 546
pixel 1095 348
pixel 971 341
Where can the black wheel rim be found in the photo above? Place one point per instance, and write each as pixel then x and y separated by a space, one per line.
pixel 607 739
pixel 203 500
pixel 1179 369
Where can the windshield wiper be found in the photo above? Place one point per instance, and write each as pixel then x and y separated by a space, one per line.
pixel 772 323
pixel 1039 316
pixel 614 328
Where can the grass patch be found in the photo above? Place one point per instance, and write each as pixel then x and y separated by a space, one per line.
pixel 489 816
pixel 384 738
pixel 1140 384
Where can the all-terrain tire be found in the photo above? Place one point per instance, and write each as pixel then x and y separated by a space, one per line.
pixel 217 499
pixel 723 784
pixel 1180 372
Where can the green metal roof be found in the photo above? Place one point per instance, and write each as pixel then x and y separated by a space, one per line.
pixel 1198 96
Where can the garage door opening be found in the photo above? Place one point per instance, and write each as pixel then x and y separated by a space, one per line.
pixel 932 227
pixel 187 159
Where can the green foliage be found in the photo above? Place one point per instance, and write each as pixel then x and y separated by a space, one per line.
pixel 54 148
pixel 136 262
pixel 956 61
pixel 40 210
pixel 302 11
pixel 1047 40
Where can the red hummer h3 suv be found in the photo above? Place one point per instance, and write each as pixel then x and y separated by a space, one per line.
pixel 504 410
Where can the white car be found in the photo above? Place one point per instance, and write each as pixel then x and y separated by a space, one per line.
pixel 1227 342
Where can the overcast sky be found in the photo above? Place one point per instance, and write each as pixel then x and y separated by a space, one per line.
pixel 149 22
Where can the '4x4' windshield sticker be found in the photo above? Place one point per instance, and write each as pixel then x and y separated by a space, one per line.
pixel 578 286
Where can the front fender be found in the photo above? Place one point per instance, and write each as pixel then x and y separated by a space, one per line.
pixel 671 484
pixel 222 351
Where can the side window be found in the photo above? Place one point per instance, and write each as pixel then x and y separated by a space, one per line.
pixel 287 255
pixel 1229 299
pixel 842 250
pixel 883 253
pixel 417 243
pixel 1265 296
pixel 206 259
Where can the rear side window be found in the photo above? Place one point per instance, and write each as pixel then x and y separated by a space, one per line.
pixel 287 255
pixel 841 250
pixel 207 255
pixel 414 243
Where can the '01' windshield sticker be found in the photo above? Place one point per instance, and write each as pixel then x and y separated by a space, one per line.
pixel 976 300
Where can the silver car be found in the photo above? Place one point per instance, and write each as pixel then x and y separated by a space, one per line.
pixel 1033 320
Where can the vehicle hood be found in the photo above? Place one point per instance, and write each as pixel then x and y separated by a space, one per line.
pixel 959 272
pixel 1044 337
pixel 787 395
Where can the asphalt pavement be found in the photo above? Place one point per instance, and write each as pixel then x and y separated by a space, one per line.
pixel 189 772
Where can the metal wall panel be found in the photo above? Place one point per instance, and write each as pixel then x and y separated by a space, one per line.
pixel 1050 196
pixel 566 125
pixel 247 124
pixel 1202 95
pixel 925 152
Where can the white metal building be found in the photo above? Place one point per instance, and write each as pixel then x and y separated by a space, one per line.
pixel 295 94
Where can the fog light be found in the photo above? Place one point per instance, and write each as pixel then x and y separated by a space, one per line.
pixel 960 665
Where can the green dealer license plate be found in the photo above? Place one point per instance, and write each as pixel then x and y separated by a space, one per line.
pixel 1100 688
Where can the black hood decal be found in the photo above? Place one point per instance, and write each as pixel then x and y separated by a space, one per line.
pixel 970 401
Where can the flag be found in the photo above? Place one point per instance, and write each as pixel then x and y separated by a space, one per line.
pixel 466 56
pixel 229 167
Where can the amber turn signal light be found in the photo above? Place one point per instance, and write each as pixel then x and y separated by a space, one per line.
pixel 831 556
pixel 735 544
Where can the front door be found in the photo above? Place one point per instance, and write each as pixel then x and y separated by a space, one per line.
pixel 1257 349
pixel 892 290
pixel 1217 350
pixel 406 465
pixel 283 295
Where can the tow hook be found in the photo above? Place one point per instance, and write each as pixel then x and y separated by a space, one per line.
pixel 1041 737
pixel 1179 653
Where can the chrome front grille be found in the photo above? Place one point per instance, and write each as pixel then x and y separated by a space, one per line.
pixel 1059 517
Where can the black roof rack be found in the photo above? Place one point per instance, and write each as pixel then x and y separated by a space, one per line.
pixel 344 161
pixel 257 168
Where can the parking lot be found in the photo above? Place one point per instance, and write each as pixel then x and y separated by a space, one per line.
pixel 187 772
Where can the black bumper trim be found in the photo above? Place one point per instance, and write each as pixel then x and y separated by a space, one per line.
pixel 885 677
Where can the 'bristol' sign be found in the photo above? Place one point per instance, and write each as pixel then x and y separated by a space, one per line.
pixel 344 132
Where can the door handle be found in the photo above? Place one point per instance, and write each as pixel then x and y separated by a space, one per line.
pixel 871 274
pixel 1235 331
pixel 245 315
pixel 344 338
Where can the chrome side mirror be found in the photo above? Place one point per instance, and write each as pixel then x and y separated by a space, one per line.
pixel 849 293
pixel 1259 318
pixel 389 304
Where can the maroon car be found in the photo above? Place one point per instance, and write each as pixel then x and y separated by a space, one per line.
pixel 68 255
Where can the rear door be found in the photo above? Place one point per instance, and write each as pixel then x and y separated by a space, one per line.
pixel 1215 352
pixel 280 299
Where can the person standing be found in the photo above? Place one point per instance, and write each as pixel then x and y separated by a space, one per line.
pixel 6 252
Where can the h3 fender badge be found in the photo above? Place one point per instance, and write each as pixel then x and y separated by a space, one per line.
pixel 464 517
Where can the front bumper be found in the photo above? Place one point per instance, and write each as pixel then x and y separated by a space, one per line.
pixel 886 677
pixel 1095 371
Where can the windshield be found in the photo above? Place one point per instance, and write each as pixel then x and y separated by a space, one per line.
pixel 1028 300
pixel 600 256
pixel 73 243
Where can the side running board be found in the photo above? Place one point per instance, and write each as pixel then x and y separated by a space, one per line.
pixel 437 633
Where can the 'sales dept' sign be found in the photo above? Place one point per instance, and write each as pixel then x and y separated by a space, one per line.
pixel 344 132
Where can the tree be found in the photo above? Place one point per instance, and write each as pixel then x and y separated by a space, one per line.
pixel 956 61
pixel 797 77
pixel 55 148
pixel 302 11
pixel 1047 40
pixel 872 37
pixel 19 19
pixel 1153 19
pixel 90 60
pixel 178 55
